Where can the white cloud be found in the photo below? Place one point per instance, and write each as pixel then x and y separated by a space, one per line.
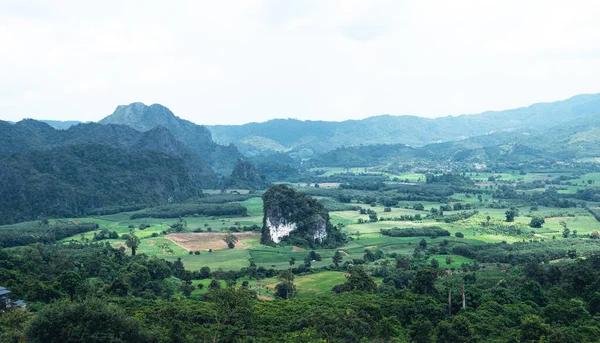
pixel 241 61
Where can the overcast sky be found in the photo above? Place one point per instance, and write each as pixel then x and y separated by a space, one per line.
pixel 233 62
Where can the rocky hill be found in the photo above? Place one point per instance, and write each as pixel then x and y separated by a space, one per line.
pixel 294 218
pixel 196 137
pixel 245 176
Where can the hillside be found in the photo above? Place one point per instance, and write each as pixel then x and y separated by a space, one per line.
pixel 306 138
pixel 79 179
pixel 197 138
pixel 49 172
pixel 571 140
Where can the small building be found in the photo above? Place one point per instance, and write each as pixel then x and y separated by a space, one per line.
pixel 6 303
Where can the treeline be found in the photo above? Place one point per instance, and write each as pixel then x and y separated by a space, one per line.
pixel 181 210
pixel 526 252
pixel 427 231
pixel 75 181
pixel 41 232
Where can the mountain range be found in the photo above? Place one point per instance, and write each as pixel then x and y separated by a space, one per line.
pixel 304 139
pixel 145 155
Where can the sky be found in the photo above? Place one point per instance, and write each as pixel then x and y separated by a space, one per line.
pixel 233 62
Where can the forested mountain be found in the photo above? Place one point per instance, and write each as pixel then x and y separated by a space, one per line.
pixel 49 172
pixel 195 137
pixel 575 139
pixel 244 176
pixel 77 180
pixel 305 138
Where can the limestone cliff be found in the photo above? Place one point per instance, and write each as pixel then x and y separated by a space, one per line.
pixel 295 218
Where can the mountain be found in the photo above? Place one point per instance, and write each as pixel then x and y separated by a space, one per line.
pixel 572 140
pixel 77 180
pixel 197 138
pixel 245 176
pixel 87 167
pixel 303 139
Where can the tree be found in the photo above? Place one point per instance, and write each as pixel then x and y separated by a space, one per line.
pixel 91 320
pixel 455 330
pixel 434 263
pixel 214 284
pixel 533 329
pixel 459 235
pixel 424 281
pixel 369 256
pixel 421 331
pixel 286 288
pixel 204 272
pixel 133 242
pixel 70 282
pixel 315 256
pixel 358 279
pixel 423 244
pixel 511 214
pixel 337 258
pixel 566 233
pixel 230 239
pixel 307 261
pixel 537 221
pixel 292 261
pixel 448 260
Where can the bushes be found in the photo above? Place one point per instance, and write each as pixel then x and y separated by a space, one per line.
pixel 40 233
pixel 430 231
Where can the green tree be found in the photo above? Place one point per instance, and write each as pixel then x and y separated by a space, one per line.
pixel 337 258
pixel 511 214
pixel 448 260
pixel 133 242
pixel 537 221
pixel 424 281
pixel 421 331
pixel 90 321
pixel 286 288
pixel 230 239
pixel 358 279
pixel 307 261
pixel 533 329
pixel 423 244
pixel 214 285
pixel 205 272
pixel 457 329
pixel 70 282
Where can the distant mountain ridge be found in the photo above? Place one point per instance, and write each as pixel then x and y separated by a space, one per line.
pixel 196 137
pixel 308 138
